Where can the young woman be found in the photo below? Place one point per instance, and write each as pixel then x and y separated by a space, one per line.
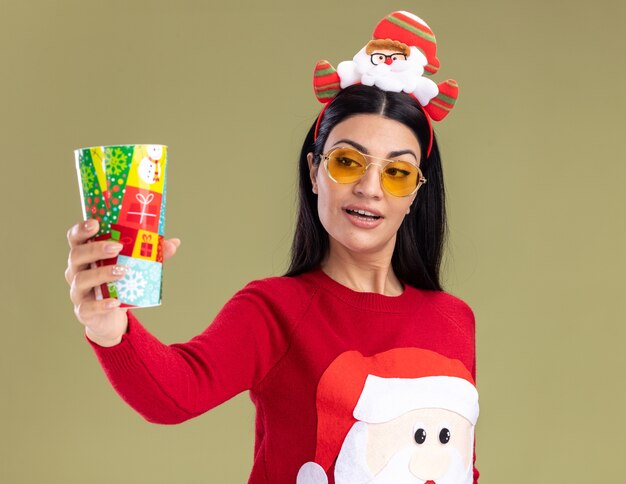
pixel 360 366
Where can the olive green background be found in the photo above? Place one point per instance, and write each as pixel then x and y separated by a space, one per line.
pixel 534 161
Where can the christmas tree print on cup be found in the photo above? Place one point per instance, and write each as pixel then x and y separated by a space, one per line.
pixel 123 188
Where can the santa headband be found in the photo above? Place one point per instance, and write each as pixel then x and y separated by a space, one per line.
pixel 402 51
pixel 381 387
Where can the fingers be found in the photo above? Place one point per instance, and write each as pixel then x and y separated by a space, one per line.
pixel 83 283
pixel 85 254
pixel 80 233
pixel 82 256
pixel 105 322
pixel 90 310
pixel 77 236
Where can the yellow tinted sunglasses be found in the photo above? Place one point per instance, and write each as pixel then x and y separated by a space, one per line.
pixel 397 177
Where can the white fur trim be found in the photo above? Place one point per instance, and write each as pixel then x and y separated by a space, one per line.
pixel 384 399
pixel 348 74
pixel 351 465
pixel 418 57
pixel 425 90
pixel 414 17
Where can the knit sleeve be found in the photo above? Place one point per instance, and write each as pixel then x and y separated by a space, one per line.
pixel 172 383
pixel 473 372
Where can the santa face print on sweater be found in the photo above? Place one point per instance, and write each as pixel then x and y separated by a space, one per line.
pixel 404 416
pixel 425 445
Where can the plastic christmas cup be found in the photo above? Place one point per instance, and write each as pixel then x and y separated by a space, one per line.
pixel 123 188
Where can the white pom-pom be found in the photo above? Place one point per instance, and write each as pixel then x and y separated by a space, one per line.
pixel 348 74
pixel 311 473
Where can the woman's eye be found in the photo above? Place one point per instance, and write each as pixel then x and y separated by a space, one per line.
pixel 444 436
pixel 347 162
pixel 420 436
pixel 397 172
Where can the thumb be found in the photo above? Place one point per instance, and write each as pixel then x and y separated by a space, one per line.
pixel 170 246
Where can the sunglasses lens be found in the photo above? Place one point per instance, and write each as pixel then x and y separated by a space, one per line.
pixel 400 178
pixel 346 165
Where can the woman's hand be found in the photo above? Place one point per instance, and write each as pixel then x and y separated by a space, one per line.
pixel 105 322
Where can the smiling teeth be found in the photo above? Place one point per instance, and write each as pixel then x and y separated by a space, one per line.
pixel 363 213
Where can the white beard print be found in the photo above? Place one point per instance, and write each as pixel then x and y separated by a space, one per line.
pixel 351 466
pixel 400 76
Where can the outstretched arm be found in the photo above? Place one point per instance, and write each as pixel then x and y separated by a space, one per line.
pixel 172 383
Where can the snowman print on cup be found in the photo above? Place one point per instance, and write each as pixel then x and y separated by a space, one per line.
pixel 150 166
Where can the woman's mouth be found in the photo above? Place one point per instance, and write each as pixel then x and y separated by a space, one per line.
pixel 363 214
pixel 362 218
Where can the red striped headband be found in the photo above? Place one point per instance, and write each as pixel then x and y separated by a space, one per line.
pixel 430 126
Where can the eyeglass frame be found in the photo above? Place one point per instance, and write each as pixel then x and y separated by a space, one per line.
pixel 420 176
pixel 387 56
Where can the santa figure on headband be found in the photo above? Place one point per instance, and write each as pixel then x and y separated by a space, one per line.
pixel 402 51
pixel 404 416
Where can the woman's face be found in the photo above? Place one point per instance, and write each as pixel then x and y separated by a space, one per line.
pixel 379 137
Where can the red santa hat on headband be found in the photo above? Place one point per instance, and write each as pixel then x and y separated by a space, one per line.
pixel 380 388
pixel 409 29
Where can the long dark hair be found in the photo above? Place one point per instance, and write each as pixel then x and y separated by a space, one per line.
pixel 418 251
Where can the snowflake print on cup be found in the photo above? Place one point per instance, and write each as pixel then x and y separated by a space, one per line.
pixel 138 286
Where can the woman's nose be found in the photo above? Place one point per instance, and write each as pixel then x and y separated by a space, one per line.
pixel 369 184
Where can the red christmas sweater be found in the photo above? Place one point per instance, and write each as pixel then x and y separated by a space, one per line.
pixel 276 337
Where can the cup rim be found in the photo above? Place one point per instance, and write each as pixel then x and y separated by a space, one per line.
pixel 119 146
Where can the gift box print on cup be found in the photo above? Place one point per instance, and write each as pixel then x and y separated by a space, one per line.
pixel 123 188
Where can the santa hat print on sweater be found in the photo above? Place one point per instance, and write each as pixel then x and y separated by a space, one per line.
pixel 403 50
pixel 380 388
